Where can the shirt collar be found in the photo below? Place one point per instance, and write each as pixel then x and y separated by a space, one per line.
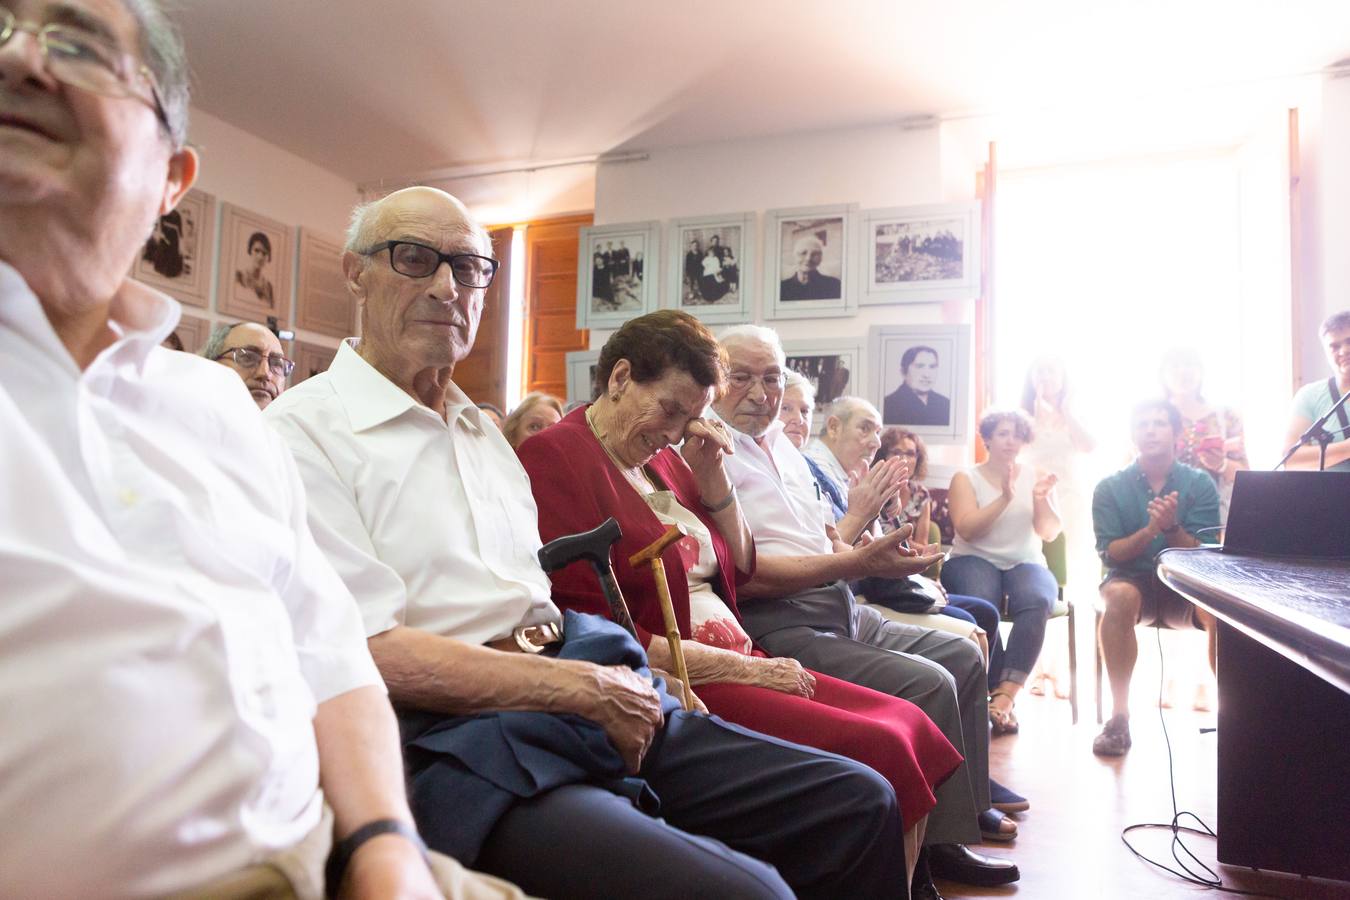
pixel 371 399
pixel 140 316
pixel 824 457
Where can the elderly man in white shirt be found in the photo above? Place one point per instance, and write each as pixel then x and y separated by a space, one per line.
pixel 798 604
pixel 522 730
pixel 180 667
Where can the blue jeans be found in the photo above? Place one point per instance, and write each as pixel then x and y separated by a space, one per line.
pixel 1031 590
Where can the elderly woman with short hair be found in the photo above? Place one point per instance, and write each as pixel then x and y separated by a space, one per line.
pixel 658 373
pixel 1002 511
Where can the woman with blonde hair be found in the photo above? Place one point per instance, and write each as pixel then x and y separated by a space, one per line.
pixel 536 412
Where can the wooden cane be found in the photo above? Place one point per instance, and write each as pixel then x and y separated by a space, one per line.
pixel 652 554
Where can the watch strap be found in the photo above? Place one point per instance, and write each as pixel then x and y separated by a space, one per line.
pixel 345 849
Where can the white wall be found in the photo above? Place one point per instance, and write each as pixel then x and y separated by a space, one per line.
pixel 513 197
pixel 240 168
pixel 1331 220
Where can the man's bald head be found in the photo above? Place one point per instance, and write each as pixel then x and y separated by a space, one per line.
pixel 369 221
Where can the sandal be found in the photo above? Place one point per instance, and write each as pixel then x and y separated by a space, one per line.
pixel 993 827
pixel 1002 720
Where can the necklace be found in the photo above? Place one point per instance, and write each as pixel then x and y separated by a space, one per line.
pixel 634 474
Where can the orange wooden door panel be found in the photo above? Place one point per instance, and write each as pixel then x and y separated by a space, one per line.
pixel 482 374
pixel 551 303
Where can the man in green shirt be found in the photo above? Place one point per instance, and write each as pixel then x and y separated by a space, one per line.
pixel 1315 400
pixel 1150 505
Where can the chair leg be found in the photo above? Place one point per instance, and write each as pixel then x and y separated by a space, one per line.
pixel 1073 662
pixel 1097 653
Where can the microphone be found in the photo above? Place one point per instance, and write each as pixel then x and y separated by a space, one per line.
pixel 1319 434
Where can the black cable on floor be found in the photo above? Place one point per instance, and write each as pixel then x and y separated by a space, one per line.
pixel 1209 879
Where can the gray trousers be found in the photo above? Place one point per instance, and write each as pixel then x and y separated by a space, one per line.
pixel 938 672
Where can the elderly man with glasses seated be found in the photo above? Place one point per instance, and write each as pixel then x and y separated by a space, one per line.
pixel 180 667
pixel 539 747
pixel 255 354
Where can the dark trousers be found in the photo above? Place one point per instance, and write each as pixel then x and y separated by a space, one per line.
pixel 730 798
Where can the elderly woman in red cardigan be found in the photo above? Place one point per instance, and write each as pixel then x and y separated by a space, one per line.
pixel 613 458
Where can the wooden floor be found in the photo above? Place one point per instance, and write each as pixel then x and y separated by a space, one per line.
pixel 1069 843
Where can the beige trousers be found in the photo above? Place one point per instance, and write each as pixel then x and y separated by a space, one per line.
pixel 296 873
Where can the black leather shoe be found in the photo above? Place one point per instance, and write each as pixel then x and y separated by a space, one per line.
pixel 957 862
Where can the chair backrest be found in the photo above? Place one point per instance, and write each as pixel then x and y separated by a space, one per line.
pixel 1056 559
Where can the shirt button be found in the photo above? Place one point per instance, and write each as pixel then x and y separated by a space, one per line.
pixel 128 497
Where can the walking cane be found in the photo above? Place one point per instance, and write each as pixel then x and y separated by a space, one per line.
pixel 652 554
pixel 592 546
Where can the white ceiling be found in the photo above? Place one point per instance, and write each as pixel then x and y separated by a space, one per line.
pixel 371 90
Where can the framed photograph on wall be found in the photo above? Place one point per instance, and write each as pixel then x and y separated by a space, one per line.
pixel 193 332
pixel 920 254
pixel 255 266
pixel 310 360
pixel 322 302
pixel 710 267
pixel 833 365
pixel 921 379
pixel 177 258
pixel 808 263
pixel 617 273
pixel 581 365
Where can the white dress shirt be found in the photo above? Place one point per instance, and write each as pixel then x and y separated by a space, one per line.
pixel 823 456
pixel 778 495
pixel 430 522
pixel 166 621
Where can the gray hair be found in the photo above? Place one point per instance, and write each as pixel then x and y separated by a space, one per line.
pixel 794 379
pixel 754 334
pixel 846 407
pixel 161 49
pixel 215 344
pixel 807 240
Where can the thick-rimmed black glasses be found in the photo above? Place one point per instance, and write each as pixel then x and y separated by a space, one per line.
pixel 247 359
pixel 84 59
pixel 420 261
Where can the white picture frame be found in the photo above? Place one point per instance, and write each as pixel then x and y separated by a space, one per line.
pixel 609 295
pixel 580 375
pixel 936 401
pixel 919 254
pixel 716 290
pixel 838 362
pixel 820 290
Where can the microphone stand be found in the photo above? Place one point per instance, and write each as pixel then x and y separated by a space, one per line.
pixel 1317 433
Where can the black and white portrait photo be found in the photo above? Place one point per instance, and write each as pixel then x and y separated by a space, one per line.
pixel 255 266
pixel 811 259
pixel 922 377
pixel 921 254
pixel 177 257
pixel 928 250
pixel 830 374
pixel 616 273
pixel 711 273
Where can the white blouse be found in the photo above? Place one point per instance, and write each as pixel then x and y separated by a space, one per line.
pixel 1012 539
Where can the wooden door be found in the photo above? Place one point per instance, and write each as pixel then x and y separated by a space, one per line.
pixel 550 315
pixel 482 374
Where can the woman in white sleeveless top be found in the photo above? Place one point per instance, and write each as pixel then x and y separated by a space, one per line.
pixel 1002 511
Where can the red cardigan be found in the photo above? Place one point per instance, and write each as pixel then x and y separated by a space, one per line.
pixel 577 487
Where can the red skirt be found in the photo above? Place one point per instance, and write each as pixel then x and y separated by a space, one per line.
pixel 891 735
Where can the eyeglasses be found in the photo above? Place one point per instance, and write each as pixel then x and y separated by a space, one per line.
pixel 85 59
pixel 741 381
pixel 247 358
pixel 420 261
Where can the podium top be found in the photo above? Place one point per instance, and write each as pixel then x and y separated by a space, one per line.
pixel 1293 514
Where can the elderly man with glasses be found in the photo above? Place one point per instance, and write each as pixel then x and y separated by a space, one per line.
pixel 180 667
pixel 255 354
pixel 539 747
